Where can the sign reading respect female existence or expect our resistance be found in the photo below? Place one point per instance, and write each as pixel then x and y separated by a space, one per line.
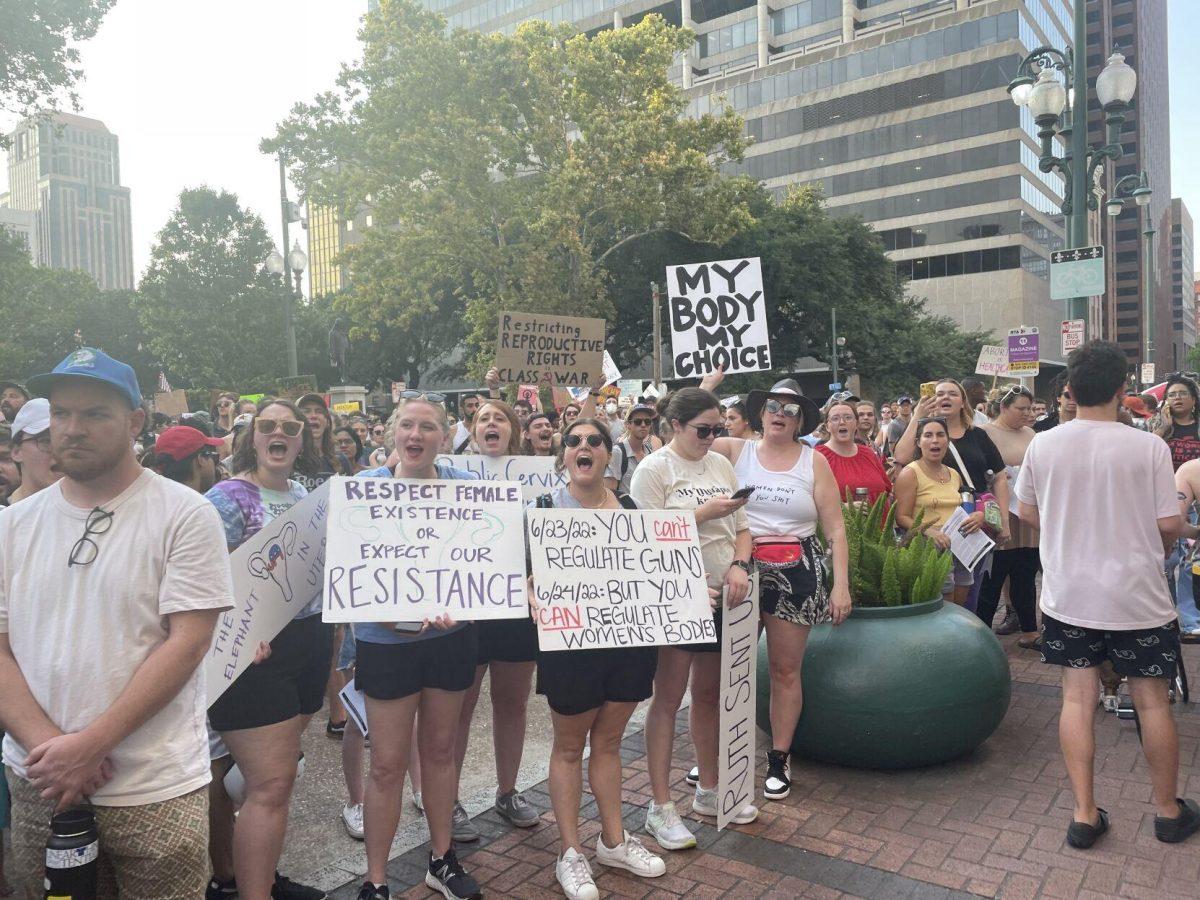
pixel 617 578
pixel 404 550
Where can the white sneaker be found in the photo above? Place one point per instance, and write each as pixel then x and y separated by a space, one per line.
pixel 352 818
pixel 664 825
pixel 575 876
pixel 631 856
pixel 417 802
pixel 705 803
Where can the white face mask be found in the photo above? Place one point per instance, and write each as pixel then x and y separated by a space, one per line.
pixel 610 408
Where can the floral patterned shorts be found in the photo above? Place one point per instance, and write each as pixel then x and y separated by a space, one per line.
pixel 797 594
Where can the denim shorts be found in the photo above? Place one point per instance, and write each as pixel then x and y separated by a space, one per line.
pixel 346 655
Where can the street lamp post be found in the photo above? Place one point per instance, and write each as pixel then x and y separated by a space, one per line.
pixel 294 263
pixel 1137 188
pixel 1057 111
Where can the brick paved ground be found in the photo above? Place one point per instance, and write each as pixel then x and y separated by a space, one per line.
pixel 991 824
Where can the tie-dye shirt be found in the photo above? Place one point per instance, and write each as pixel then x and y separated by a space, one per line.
pixel 245 508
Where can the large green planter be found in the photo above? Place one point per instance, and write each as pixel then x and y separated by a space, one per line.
pixel 897 687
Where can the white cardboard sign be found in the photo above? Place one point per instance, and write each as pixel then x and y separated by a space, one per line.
pixel 535 473
pixel 718 317
pixel 618 578
pixel 403 550
pixel 739 675
pixel 275 573
pixel 993 360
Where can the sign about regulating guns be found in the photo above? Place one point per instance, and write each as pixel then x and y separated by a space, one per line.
pixel 276 573
pixel 618 578
pixel 718 317
pixel 404 550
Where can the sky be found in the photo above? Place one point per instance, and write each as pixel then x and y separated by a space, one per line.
pixel 190 96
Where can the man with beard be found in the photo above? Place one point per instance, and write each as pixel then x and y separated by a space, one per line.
pixel 31 450
pixel 111 581
pixel 12 398
pixel 10 474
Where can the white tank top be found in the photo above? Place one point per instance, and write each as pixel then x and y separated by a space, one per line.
pixel 782 502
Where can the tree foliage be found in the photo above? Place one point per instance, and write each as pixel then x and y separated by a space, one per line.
pixel 39 63
pixel 508 168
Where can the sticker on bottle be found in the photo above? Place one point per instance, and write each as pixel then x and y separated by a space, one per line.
pixel 72 859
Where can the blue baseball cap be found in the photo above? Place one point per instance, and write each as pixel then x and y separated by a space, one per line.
pixel 95 365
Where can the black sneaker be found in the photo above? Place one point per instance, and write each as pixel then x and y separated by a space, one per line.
pixel 373 892
pixel 449 877
pixel 1011 624
pixel 778 783
pixel 1184 825
pixel 220 890
pixel 693 776
pixel 286 889
pixel 1082 835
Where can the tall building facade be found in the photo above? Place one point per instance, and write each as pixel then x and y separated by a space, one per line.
pixel 1183 293
pixel 896 109
pixel 65 170
pixel 22 224
pixel 1138 28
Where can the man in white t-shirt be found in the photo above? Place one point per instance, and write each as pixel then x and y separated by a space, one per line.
pixel 1103 495
pixel 111 581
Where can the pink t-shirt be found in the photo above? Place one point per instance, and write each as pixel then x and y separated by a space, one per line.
pixel 1100 489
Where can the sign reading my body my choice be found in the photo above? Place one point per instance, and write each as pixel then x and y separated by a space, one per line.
pixel 718 317
pixel 618 578
pixel 402 550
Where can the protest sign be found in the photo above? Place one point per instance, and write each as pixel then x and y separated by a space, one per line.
pixel 611 373
pixel 618 578
pixel 718 317
pixel 398 387
pixel 403 550
pixel 171 403
pixel 349 408
pixel 275 573
pixel 630 387
pixel 531 395
pixel 535 473
pixel 550 350
pixel 993 360
pixel 739 666
pixel 579 394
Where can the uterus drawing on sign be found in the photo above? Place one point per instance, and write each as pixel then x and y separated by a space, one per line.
pixel 271 561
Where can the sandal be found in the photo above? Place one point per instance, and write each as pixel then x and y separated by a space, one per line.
pixel 1081 835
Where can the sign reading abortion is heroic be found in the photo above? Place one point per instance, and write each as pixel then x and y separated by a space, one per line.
pixel 550 350
pixel 403 550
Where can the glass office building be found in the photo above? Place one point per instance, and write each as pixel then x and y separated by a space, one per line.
pixel 896 109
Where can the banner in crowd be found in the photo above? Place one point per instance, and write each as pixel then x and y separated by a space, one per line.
pixel 993 360
pixel 550 350
pixel 739 667
pixel 630 387
pixel 404 550
pixel 536 474
pixel 611 373
pixel 531 395
pixel 618 578
pixel 275 573
pixel 171 403
pixel 718 317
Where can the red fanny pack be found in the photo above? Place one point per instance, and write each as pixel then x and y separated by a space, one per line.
pixel 778 551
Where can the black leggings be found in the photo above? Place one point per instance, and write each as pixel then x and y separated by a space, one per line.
pixel 1020 567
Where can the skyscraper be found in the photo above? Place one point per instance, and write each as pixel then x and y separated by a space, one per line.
pixel 65 169
pixel 896 109
pixel 1139 31
pixel 1183 295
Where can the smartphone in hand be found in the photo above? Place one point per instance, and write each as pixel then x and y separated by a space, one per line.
pixel 742 493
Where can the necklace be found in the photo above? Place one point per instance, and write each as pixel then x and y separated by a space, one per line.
pixel 604 498
pixel 937 476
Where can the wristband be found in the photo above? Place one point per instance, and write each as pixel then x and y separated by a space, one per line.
pixel 741 564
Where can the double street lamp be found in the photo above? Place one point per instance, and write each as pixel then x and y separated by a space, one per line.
pixel 296 263
pixel 1060 111
pixel 1137 189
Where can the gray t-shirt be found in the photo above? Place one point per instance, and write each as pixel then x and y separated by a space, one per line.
pixel 622 455
pixel 896 429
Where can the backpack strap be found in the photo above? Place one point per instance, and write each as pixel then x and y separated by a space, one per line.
pixel 545 502
pixel 463 446
pixel 626 452
pixel 626 501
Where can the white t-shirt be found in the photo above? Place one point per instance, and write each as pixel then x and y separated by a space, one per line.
pixel 78 634
pixel 1100 489
pixel 461 439
pixel 665 480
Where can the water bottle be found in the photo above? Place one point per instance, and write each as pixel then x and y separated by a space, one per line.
pixel 861 496
pixel 968 502
pixel 72 855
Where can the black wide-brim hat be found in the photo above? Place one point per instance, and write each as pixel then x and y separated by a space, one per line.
pixel 786 391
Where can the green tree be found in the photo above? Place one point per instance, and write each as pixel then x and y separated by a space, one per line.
pixel 509 168
pixel 39 59
pixel 210 311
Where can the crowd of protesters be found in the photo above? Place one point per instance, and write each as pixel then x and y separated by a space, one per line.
pixel 114 569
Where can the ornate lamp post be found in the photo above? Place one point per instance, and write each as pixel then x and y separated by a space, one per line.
pixel 1137 188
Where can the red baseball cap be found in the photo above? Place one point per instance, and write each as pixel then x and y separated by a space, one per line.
pixel 181 441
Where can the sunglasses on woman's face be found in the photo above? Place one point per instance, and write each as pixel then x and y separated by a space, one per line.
pixel 290 427
pixel 225 404
pixel 574 440
pixel 791 410
pixel 704 432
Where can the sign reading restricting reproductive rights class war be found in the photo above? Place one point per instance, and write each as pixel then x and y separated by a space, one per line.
pixel 718 317
pixel 276 573
pixel 550 350
pixel 404 550
pixel 537 474
pixel 618 578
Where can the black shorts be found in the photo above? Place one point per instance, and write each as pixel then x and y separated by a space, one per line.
pixel 578 681
pixel 290 682
pixel 711 646
pixel 1144 653
pixel 507 640
pixel 392 671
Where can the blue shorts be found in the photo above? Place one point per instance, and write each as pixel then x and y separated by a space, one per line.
pixel 346 655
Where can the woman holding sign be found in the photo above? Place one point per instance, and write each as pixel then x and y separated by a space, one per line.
pixel 265 711
pixel 793 489
pixel 687 475
pixel 406 670
pixel 592 693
